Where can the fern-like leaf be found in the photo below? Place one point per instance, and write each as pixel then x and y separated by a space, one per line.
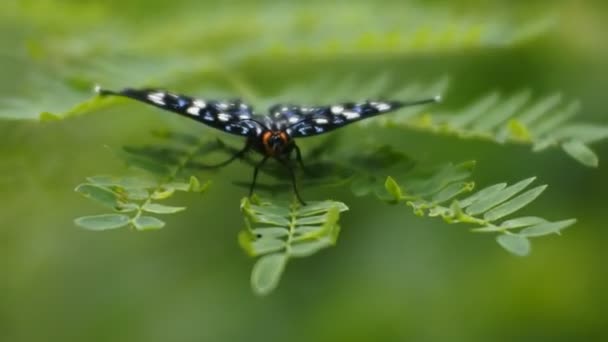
pixel 133 200
pixel 443 196
pixel 278 233
pixel 76 45
pixel 542 123
pixel 168 162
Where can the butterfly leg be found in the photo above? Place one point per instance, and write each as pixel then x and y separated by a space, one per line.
pixel 234 157
pixel 293 179
pixel 299 159
pixel 255 174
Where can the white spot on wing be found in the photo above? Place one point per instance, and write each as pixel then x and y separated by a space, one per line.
pixel 337 109
pixel 350 115
pixel 199 103
pixel 382 106
pixel 222 105
pixel 244 116
pixel 223 117
pixel 158 98
pixel 321 121
pixel 293 119
pixel 193 110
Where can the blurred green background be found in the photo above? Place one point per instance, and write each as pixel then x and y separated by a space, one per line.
pixel 392 276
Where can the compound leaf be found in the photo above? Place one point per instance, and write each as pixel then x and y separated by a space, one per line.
pixel 277 233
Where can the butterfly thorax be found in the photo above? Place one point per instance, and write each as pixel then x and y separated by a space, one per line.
pixel 274 143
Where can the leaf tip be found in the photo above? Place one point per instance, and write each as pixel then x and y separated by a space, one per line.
pixel 48 116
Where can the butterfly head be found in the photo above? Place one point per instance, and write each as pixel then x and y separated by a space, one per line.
pixel 275 142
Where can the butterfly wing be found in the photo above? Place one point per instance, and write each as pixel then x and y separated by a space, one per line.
pixel 318 120
pixel 233 117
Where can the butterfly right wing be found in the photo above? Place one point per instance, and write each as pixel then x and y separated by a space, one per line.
pixel 233 117
pixel 309 121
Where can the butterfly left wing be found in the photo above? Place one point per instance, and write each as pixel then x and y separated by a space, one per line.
pixel 233 117
pixel 309 121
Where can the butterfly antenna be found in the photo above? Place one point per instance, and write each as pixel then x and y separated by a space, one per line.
pixel 435 99
pixel 99 90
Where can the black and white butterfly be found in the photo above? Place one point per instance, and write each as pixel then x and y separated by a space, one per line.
pixel 272 135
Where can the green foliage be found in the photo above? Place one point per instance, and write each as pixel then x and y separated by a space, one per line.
pixel 62 65
pixel 542 123
pixel 133 199
pixel 167 162
pixel 441 195
pixel 277 233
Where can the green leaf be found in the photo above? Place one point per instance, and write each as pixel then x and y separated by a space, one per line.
pixel 195 185
pixel 516 244
pixel 274 232
pixel 586 133
pixel 518 131
pixel 471 113
pixel 514 204
pixel 451 191
pixel 493 202
pixel 544 122
pixel 102 195
pixel 136 194
pixel 501 112
pixel 102 222
pixel 316 208
pixel 122 182
pixel 161 208
pixel 581 152
pixel 266 245
pixel 305 249
pixel 484 193
pixel 266 273
pixel 311 220
pixel 245 239
pixel 515 223
pixel 393 188
pixel 490 201
pixel 128 207
pixel 546 228
pixel 147 223
pixel 279 232
pixel 522 222
pixel 163 193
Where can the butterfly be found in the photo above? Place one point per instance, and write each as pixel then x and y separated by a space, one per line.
pixel 272 135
